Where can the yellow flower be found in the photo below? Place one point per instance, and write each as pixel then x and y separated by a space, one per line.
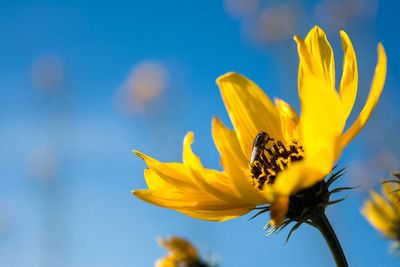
pixel 181 253
pixel 383 211
pixel 295 152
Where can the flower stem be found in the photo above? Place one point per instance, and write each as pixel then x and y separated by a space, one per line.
pixel 322 223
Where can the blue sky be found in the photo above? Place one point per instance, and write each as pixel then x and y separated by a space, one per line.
pixel 84 214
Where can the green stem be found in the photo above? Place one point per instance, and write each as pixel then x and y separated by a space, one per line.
pixel 322 223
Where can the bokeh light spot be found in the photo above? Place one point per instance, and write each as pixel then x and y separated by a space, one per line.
pixel 47 72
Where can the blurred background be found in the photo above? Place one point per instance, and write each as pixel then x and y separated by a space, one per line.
pixel 82 84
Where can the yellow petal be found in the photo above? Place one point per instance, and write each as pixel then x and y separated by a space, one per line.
pixel 235 163
pixel 322 119
pixel 165 262
pixel 392 193
pixel 286 110
pixel 305 64
pixel 167 199
pixel 192 200
pixel 171 172
pixel 300 175
pixel 154 181
pixel 373 97
pixel 177 243
pixel 179 249
pixel 376 220
pixel 216 215
pixel 309 66
pixel 321 52
pixel 321 124
pixel 212 182
pixel 278 210
pixel 249 108
pixel 289 120
pixel 387 189
pixel 376 216
pixel 385 208
pixel 349 81
pixel 227 144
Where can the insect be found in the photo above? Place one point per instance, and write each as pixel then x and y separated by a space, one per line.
pixel 259 143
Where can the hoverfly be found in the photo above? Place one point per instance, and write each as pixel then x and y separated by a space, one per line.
pixel 259 143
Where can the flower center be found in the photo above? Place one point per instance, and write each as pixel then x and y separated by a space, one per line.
pixel 269 157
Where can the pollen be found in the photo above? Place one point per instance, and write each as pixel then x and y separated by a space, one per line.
pixel 270 157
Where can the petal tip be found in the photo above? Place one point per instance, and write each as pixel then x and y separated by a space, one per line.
pixel 296 38
pixel 226 76
pixel 189 137
pixel 316 30
pixel 381 51
pixel 138 153
pixel 215 121
pixel 300 43
pixel 343 33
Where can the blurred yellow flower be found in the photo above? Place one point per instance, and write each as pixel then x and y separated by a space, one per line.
pixel 272 154
pixel 383 211
pixel 181 254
